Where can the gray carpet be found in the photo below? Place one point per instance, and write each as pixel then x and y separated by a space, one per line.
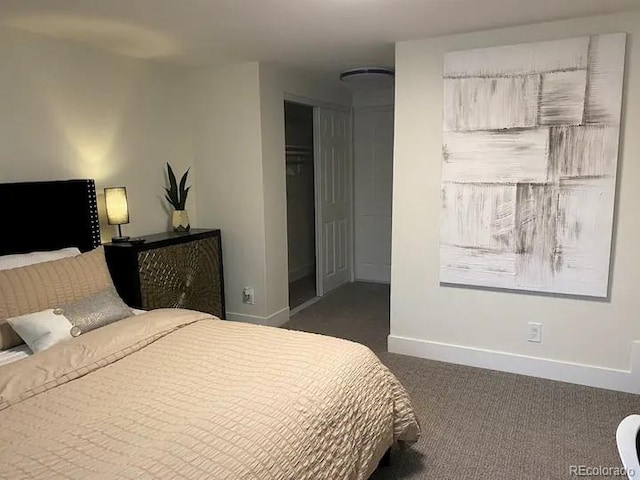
pixel 477 424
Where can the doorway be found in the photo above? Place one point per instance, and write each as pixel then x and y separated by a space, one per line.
pixel 301 219
pixel 373 145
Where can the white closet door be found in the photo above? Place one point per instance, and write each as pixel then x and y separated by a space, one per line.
pixel 334 194
pixel 373 153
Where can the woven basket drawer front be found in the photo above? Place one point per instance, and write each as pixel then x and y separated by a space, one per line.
pixel 186 275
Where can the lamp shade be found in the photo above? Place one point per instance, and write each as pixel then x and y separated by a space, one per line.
pixel 117 207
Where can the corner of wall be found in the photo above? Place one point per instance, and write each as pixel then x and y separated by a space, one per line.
pixel 228 158
pixel 276 319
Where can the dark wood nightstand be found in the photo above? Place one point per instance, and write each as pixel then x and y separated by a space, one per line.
pixel 170 269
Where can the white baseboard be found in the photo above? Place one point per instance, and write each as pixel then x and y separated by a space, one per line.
pixel 301 272
pixel 274 320
pixel 304 305
pixel 368 280
pixel 590 375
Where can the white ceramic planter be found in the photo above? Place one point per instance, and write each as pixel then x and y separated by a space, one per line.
pixel 180 221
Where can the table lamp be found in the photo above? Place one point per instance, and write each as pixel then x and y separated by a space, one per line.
pixel 117 210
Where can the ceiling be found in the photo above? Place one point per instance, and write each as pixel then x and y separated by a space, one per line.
pixel 323 35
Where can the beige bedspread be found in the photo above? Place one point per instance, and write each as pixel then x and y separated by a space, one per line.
pixel 180 394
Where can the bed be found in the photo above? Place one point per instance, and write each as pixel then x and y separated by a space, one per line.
pixel 175 393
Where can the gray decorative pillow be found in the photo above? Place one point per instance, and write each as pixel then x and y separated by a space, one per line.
pixel 95 311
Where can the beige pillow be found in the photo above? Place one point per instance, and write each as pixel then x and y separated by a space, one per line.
pixel 49 285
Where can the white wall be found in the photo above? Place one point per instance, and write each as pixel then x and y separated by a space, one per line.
pixel 584 341
pixel 372 97
pixel 70 111
pixel 228 152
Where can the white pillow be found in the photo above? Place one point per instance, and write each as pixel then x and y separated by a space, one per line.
pixel 41 330
pixel 17 260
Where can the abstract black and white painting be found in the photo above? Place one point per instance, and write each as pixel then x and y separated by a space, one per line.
pixel 530 150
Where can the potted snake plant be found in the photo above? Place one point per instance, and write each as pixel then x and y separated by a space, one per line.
pixel 176 195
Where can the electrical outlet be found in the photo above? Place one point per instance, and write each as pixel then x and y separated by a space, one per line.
pixel 247 295
pixel 535 332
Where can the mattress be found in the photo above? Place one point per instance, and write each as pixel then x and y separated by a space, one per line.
pixel 176 393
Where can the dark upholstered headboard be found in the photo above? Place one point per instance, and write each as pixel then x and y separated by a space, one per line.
pixel 48 215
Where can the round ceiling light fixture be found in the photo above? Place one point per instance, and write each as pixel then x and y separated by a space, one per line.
pixel 368 75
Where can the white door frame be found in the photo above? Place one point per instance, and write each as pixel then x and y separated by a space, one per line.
pixel 317 177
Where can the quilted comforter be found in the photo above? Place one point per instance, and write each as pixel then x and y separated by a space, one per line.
pixel 180 394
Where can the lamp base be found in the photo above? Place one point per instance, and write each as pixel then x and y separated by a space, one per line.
pixel 119 239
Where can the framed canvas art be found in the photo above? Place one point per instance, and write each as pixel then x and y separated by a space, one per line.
pixel 530 153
